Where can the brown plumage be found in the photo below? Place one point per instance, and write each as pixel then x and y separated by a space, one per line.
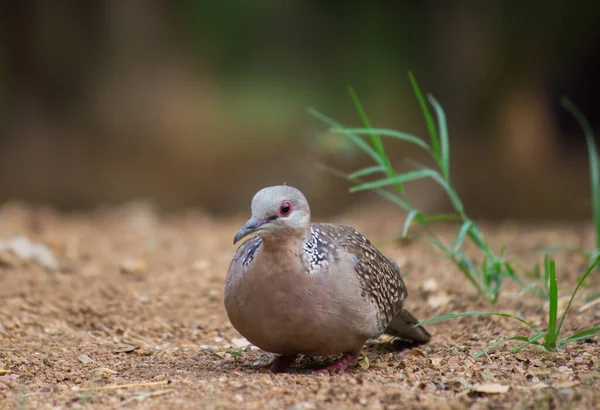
pixel 312 288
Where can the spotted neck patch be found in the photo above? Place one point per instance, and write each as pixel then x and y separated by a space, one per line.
pixel 253 245
pixel 315 250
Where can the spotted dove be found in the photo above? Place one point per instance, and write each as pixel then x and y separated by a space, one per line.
pixel 314 289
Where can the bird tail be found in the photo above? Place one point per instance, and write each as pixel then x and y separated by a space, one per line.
pixel 401 326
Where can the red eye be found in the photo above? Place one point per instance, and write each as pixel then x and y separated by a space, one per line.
pixel 285 209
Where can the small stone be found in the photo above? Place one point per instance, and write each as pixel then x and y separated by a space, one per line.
pixel 430 285
pixel 29 251
pixel 436 301
pixel 126 348
pixel 45 388
pixel 213 294
pixel 565 385
pixel 538 386
pixel 240 342
pixel 304 405
pixel 135 266
pixel 490 388
pixel 103 371
pixel 143 352
pixel 84 359
pixel 200 264
pixel 565 369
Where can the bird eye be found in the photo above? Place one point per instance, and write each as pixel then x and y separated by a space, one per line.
pixel 285 209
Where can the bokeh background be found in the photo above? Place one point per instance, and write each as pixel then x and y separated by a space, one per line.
pixel 198 104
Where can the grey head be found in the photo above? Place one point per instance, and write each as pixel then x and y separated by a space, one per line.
pixel 278 212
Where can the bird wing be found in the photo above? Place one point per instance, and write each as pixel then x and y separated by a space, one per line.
pixel 379 276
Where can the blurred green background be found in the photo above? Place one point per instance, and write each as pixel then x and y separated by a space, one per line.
pixel 199 103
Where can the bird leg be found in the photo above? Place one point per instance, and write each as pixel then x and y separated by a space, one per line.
pixel 281 364
pixel 340 366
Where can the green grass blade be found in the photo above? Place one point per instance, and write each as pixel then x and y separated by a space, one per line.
pixel 462 233
pixel 366 172
pixel 557 248
pixel 550 339
pixel 356 140
pixel 360 143
pixel 512 273
pixel 478 239
pixel 394 199
pixel 443 132
pixel 579 283
pixel 442 218
pixel 470 271
pixel 546 273
pixel 393 180
pixel 584 334
pixel 333 171
pixel 375 139
pixel 531 341
pixel 466 314
pixel 383 132
pixel 456 202
pixel 491 279
pixel 537 336
pixel 409 220
pixel 454 198
pixel 535 272
pixel 432 239
pixel 532 287
pixel 594 161
pixel 411 176
pixel 498 343
pixel 435 142
pixel 406 206
pixel 578 339
pixel 496 270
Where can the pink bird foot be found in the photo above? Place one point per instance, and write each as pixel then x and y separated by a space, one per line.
pixel 281 364
pixel 340 366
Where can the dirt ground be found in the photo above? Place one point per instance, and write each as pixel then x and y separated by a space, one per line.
pixel 133 317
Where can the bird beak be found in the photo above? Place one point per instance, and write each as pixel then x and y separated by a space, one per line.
pixel 249 227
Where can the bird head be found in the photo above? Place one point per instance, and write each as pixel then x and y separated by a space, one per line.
pixel 277 212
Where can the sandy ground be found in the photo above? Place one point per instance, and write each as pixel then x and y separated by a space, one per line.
pixel 133 317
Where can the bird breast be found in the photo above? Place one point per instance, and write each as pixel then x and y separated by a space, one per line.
pixel 281 307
